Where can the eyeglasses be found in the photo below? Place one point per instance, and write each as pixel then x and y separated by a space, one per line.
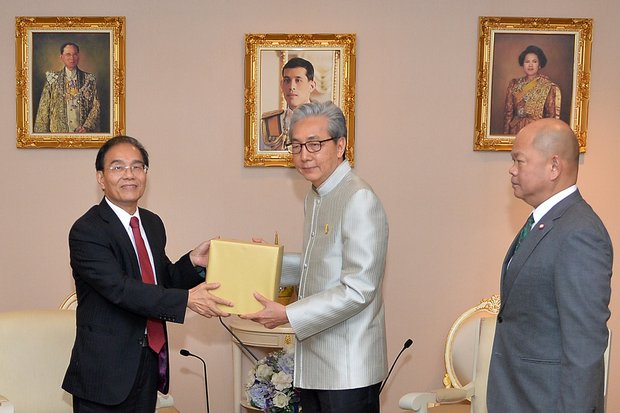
pixel 311 146
pixel 137 169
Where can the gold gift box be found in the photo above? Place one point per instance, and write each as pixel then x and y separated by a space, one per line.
pixel 243 268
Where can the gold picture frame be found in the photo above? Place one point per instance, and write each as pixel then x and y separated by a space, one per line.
pixel 333 59
pixel 505 102
pixel 96 95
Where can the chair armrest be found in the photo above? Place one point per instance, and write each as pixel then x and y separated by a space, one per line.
pixel 419 402
pixel 5 405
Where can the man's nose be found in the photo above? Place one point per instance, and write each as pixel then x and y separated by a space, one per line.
pixel 304 154
pixel 512 170
pixel 128 173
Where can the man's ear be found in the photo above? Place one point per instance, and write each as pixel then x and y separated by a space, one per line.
pixel 100 180
pixel 341 145
pixel 556 167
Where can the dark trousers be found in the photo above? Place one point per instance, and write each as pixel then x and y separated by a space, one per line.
pixel 142 397
pixel 361 400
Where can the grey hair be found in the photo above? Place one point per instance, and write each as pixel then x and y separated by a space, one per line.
pixel 336 124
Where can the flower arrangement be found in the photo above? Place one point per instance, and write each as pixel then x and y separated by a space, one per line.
pixel 270 383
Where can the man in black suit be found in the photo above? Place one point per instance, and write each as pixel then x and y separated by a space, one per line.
pixel 113 366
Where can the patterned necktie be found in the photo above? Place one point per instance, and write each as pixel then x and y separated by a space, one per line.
pixel 154 327
pixel 524 231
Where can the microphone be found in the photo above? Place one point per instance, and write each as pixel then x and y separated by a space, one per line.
pixel 407 344
pixel 186 353
pixel 239 340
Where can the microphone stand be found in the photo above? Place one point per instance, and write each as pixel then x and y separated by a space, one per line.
pixel 186 353
pixel 407 344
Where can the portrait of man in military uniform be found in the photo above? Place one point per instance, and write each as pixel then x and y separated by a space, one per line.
pixel 280 78
pixel 297 84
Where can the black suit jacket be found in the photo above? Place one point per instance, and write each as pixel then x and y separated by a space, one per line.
pixel 114 303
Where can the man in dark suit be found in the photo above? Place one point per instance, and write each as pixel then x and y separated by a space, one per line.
pixel 551 329
pixel 120 356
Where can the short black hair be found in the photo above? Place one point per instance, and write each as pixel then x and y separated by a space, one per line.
pixel 542 59
pixel 299 62
pixel 116 141
pixel 62 48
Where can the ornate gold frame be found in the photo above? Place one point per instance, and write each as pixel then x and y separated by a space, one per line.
pixel 489 27
pixel 24 27
pixel 343 66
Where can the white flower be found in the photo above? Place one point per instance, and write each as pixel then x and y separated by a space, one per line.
pixel 270 383
pixel 280 400
pixel 263 372
pixel 281 380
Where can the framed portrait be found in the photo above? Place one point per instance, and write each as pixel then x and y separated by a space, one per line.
pixel 70 81
pixel 283 71
pixel 531 68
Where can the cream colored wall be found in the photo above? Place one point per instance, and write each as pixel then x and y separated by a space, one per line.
pixel 451 209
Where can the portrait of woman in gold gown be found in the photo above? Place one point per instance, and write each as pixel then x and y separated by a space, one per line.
pixel 532 96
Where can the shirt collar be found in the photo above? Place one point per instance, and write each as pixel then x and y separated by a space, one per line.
pixel 546 206
pixel 123 215
pixel 70 73
pixel 334 179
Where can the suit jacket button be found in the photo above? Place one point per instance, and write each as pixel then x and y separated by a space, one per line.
pixel 500 319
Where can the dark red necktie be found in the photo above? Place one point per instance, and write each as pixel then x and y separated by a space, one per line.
pixel 154 327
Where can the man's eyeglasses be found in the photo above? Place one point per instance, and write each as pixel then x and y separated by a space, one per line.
pixel 137 169
pixel 311 146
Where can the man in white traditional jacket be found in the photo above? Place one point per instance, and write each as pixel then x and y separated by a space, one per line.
pixel 339 323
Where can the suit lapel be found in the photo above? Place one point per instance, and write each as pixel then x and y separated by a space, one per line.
pixel 527 247
pixel 507 260
pixel 511 268
pixel 119 234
